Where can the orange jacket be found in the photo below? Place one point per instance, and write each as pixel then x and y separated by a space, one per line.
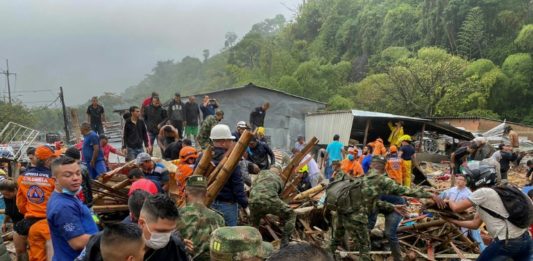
pixel 34 190
pixel 378 148
pixel 352 168
pixel 184 171
pixel 395 169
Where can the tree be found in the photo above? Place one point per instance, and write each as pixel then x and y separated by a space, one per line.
pixel 15 112
pixel 231 37
pixel 524 40
pixel 338 102
pixel 205 53
pixel 471 38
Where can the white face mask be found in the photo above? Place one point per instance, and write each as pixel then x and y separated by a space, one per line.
pixel 157 240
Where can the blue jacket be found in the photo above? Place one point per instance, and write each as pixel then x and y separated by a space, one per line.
pixel 233 190
pixel 366 163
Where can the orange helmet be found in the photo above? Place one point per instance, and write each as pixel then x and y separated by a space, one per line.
pixel 393 149
pixel 188 152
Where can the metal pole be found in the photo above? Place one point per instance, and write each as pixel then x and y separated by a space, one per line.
pixel 65 118
pixel 8 85
pixel 365 139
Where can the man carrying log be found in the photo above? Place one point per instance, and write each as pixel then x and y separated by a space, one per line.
pixel 197 221
pixel 232 194
pixel 265 199
pixel 355 199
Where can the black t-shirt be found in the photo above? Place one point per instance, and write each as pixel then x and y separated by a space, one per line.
pixel 12 211
pixel 172 151
pixel 407 152
pixel 95 113
pixel 460 153
pixel 192 112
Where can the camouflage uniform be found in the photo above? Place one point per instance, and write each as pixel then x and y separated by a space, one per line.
pixel 356 221
pixel 205 131
pixel 264 199
pixel 196 224
pixel 238 243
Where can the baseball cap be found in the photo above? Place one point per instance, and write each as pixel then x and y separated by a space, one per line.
pixel 197 181
pixel 238 243
pixel 142 157
pixel 45 152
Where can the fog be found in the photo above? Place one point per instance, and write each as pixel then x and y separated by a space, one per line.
pixel 92 47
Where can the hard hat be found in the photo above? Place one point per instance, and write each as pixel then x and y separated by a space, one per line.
pixel 393 149
pixel 242 124
pixel 405 138
pixel 221 132
pixel 188 152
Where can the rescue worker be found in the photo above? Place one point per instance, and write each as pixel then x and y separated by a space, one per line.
pixel 205 128
pixel 197 222
pixel 407 153
pixel 188 156
pixel 259 152
pixel 153 171
pixel 265 199
pixel 34 189
pixel 395 166
pixel 378 149
pixel 396 133
pixel 350 165
pixel 354 219
pixel 241 127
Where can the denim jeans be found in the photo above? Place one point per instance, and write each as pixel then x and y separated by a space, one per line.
pixel 230 212
pixel 475 234
pixel 392 221
pixel 132 153
pixel 2 206
pixel 328 171
pixel 152 137
pixel 519 249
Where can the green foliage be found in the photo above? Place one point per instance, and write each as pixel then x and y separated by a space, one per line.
pixel 524 40
pixel 338 102
pixel 17 113
pixel 471 38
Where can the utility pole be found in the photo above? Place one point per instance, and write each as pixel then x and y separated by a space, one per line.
pixel 65 118
pixel 7 74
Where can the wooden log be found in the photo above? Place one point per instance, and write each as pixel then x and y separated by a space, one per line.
pixel 289 169
pixel 224 174
pixel 309 192
pixel 291 187
pixel 205 162
pixel 107 176
pixel 117 186
pixel 110 208
pixel 213 175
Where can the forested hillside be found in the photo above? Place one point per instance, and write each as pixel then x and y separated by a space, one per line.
pixel 414 57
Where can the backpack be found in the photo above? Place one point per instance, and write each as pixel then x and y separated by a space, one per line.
pixel 517 204
pixel 342 194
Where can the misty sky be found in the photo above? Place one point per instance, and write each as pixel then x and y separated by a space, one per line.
pixel 90 47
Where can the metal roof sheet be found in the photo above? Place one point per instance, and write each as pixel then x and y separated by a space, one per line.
pixel 372 114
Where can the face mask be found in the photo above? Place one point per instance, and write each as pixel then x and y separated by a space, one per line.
pixel 351 157
pixel 68 192
pixel 157 240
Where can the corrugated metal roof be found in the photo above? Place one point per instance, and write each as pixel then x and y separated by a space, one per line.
pixel 251 85
pixel 372 114
pixel 324 126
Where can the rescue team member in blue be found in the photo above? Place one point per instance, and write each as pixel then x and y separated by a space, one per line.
pixel 70 221
pixel 93 155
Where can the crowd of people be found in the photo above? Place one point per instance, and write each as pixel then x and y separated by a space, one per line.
pixel 49 204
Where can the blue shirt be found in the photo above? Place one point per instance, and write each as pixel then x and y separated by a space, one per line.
pixel 87 149
pixel 366 163
pixel 334 151
pixel 208 110
pixel 407 152
pixel 159 175
pixel 67 218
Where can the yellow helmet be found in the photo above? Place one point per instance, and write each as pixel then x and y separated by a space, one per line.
pixel 405 138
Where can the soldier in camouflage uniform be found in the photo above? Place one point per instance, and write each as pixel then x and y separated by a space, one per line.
pixel 238 243
pixel 264 199
pixel 197 221
pixel 355 222
pixel 205 129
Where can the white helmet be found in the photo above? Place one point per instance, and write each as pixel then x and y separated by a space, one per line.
pixel 221 132
pixel 242 124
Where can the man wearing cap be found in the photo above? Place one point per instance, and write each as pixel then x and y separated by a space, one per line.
pixel 34 189
pixel 192 118
pixel 407 153
pixel 238 243
pixel 205 128
pixel 176 113
pixel 197 221
pixel 232 194
pixel 241 127
pixel 265 199
pixel 185 166
pixel 153 171
pixel 374 184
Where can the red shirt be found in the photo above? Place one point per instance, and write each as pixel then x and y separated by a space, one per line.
pixel 147 101
pixel 107 149
pixel 144 184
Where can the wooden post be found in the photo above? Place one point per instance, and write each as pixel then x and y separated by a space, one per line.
pixel 119 185
pixel 225 173
pixel 286 173
pixel 205 161
pixel 365 139
pixel 421 144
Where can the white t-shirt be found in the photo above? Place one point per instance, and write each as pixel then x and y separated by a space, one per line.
pixel 311 165
pixel 489 199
